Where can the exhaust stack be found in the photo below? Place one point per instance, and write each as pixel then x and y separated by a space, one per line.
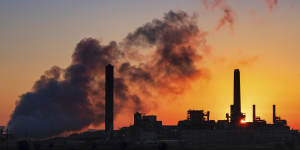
pixel 236 115
pixel 274 114
pixel 109 99
pixel 254 114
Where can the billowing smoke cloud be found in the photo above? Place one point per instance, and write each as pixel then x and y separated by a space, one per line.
pixel 71 99
pixel 228 15
pixel 272 4
pixel 176 41
pixel 66 100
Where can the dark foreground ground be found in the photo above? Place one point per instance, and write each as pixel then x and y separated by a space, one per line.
pixel 189 141
pixel 85 145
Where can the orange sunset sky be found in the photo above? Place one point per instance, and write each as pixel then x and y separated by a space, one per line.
pixel 262 42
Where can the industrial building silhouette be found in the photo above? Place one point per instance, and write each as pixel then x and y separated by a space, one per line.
pixel 198 126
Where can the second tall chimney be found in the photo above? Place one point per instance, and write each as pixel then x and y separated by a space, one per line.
pixel 109 99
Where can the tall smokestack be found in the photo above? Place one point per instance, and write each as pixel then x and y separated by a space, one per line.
pixel 254 114
pixel 274 114
pixel 109 98
pixel 237 90
pixel 236 114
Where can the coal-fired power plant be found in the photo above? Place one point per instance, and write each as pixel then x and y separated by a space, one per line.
pixel 198 126
pixel 197 131
pixel 109 99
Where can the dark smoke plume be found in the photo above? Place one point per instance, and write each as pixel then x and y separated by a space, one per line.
pixel 71 99
pixel 272 4
pixel 227 18
pixel 228 15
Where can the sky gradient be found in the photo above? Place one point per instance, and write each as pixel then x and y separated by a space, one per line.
pixel 36 35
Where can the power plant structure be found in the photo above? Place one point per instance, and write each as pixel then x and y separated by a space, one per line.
pixel 197 131
pixel 199 119
pixel 197 128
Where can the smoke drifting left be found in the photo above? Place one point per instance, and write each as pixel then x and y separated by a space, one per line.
pixel 71 99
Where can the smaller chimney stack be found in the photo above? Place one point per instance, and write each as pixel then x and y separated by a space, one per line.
pixel 208 115
pixel 254 114
pixel 274 114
